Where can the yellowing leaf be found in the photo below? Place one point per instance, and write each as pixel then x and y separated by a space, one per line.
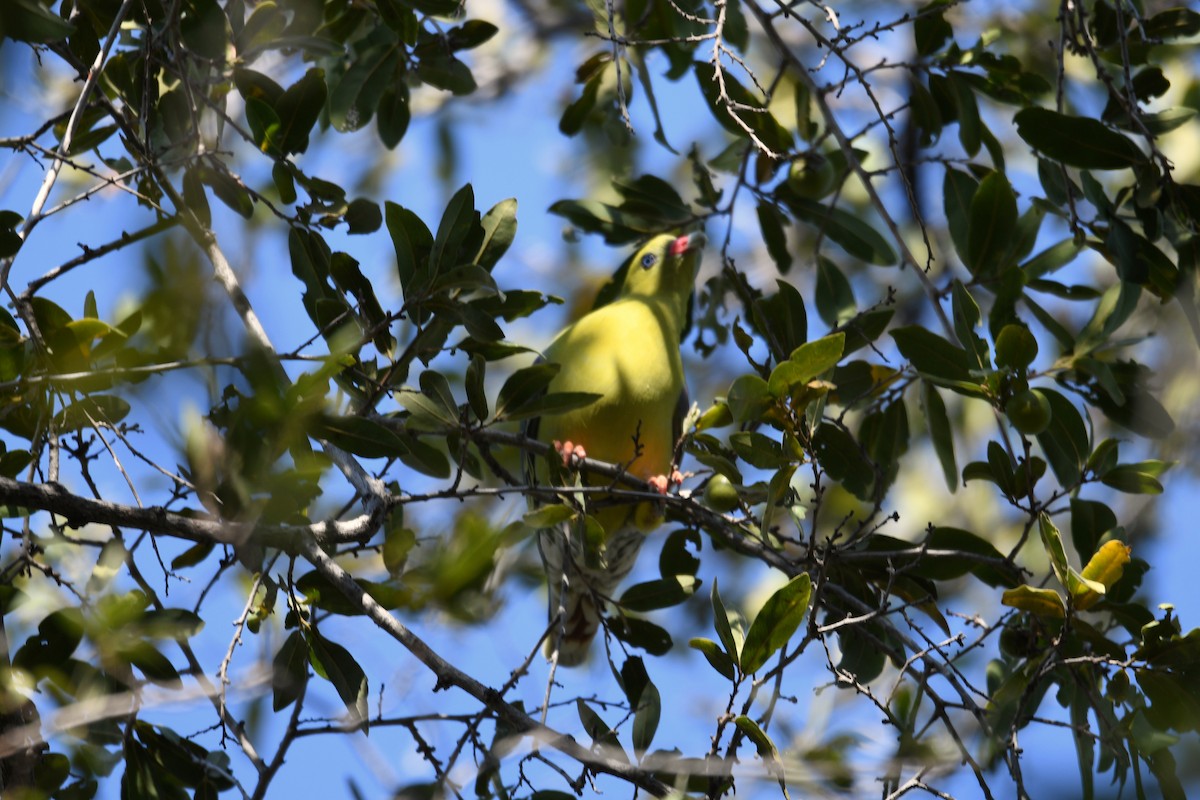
pixel 1104 568
pixel 1042 602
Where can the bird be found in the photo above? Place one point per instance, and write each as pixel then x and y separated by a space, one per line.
pixel 628 352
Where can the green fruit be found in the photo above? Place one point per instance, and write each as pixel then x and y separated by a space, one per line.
pixel 720 494
pixel 1028 411
pixel 812 177
pixel 1018 641
pixel 1016 347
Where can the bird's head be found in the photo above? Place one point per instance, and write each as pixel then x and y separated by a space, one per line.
pixel 667 264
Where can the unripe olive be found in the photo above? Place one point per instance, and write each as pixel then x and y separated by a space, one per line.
pixel 1028 411
pixel 720 494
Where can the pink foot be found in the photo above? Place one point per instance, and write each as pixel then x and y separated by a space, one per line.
pixel 572 454
pixel 662 483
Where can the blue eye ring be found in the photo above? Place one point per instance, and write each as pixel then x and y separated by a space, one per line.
pixel 649 260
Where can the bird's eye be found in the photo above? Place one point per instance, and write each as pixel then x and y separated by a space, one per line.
pixel 649 260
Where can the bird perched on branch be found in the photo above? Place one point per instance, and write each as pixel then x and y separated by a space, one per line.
pixel 628 353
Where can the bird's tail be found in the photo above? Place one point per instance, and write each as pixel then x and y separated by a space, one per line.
pixel 577 592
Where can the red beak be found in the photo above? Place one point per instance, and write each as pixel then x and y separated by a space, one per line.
pixel 687 243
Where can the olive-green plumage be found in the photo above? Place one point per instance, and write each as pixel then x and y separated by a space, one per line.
pixel 627 352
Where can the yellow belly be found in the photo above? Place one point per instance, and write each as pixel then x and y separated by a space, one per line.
pixel 626 353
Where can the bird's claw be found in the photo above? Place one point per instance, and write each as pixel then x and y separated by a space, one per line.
pixel 572 454
pixel 663 483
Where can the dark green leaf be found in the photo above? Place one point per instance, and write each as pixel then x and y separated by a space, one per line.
pixel 940 432
pixel 931 355
pixel 834 295
pixel 524 385
pixel 289 671
pixel 1132 479
pixel 661 593
pixel 335 664
pixel 782 320
pixel 772 221
pixel 642 633
pixel 721 624
pixel 30 21
pixel 993 221
pixel 856 236
pixel 363 216
pixel 930 28
pixel 1077 141
pixel 843 459
pixel 738 118
pixel 91 411
pixel 361 436
pixel 1065 441
pixel 393 114
pixel 646 717
pixel 412 242
pixel 298 110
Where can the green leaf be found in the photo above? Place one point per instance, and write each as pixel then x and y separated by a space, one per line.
pixel 412 242
pixel 443 71
pixel 776 622
pixel 848 229
pixel 360 436
pixel 931 355
pixel 363 216
pixel 100 408
pixel 603 735
pixel 335 664
pixel 1076 141
pixel 722 626
pixel 834 294
pixel 772 221
pixel 646 717
pixel 524 385
pixel 992 225
pixel 30 21
pixel 748 397
pixel 499 230
pixel 617 226
pixel 1065 441
pixel 764 125
pixel 642 633
pixel 1132 479
pixel 940 432
pixel 661 593
pixel 842 458
pixel 1052 541
pixel 289 671
pixel 393 115
pixel 298 110
pixel 554 403
pixel 865 328
pixel 716 656
pixel 757 450
pixel 958 191
pixel 782 320
pixel 970 128
pixel 476 396
pixel 930 28
pixel 459 220
pixel 470 34
pixel 765 747
pixel 1173 23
